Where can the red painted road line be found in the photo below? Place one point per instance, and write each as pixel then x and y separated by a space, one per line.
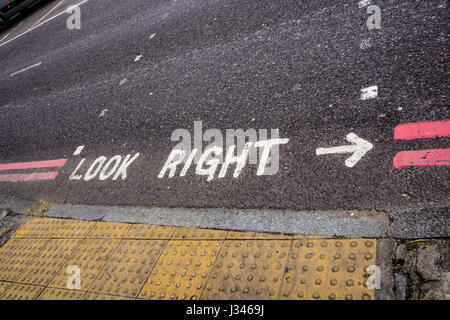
pixel 419 130
pixel 435 157
pixel 34 164
pixel 36 176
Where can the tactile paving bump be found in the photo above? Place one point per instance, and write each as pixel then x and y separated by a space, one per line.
pixel 329 269
pixel 128 268
pixel 50 259
pixel 60 294
pixel 142 231
pixel 250 269
pixel 109 230
pixel 21 292
pixel 16 255
pixel 89 257
pixel 55 228
pixel 182 270
pixel 198 234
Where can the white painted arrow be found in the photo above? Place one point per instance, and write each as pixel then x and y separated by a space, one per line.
pixel 359 148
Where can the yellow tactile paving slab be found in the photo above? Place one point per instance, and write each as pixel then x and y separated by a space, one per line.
pixel 109 230
pixel 250 269
pixel 126 261
pixel 24 229
pixel 50 259
pixel 89 257
pixel 17 254
pixel 3 286
pixel 126 271
pixel 21 292
pixel 182 270
pixel 55 228
pixel 328 269
pixel 60 294
pixel 142 231
pixel 198 234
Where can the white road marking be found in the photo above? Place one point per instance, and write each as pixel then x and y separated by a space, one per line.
pixel 240 160
pixel 188 163
pixel 208 164
pixel 25 69
pixel 369 93
pixel 212 163
pixel 366 43
pixel 174 159
pixel 359 148
pixel 78 151
pixel 363 3
pixel 45 15
pixel 105 171
pixel 267 146
pixel 4 37
pixel 105 174
pixel 139 57
pixel 31 29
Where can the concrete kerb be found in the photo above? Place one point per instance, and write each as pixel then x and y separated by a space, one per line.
pixel 81 212
pixel 421 223
pixel 316 223
pixel 330 224
pixel 15 204
pixel 190 218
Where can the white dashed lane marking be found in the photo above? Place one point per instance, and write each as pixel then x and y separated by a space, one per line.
pixel 363 3
pixel 78 151
pixel 369 93
pixel 25 69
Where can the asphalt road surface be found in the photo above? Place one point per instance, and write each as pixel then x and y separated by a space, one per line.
pixel 321 72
